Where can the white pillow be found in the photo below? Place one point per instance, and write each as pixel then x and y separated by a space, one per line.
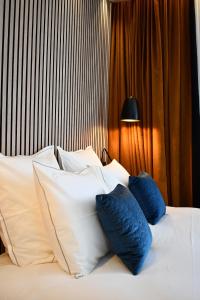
pixel 114 173
pixel 78 160
pixel 68 203
pixel 23 231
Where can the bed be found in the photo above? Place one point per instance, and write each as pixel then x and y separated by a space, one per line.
pixel 171 270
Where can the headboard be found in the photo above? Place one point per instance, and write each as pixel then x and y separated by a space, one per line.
pixel 54 58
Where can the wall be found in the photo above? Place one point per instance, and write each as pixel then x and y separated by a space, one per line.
pixel 54 57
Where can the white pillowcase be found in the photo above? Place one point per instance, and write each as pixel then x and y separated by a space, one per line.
pixel 23 231
pixel 78 160
pixel 114 173
pixel 68 203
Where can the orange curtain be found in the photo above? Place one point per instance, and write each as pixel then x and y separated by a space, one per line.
pixel 150 59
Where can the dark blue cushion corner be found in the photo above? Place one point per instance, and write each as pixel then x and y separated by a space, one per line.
pixel 125 226
pixel 149 197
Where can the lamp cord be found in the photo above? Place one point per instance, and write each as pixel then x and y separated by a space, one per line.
pixel 105 151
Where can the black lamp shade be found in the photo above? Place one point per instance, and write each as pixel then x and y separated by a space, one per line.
pixel 130 110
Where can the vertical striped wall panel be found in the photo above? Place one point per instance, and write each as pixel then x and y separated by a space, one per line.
pixel 54 58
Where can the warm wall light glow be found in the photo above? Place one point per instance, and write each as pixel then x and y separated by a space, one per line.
pixel 129 120
pixel 157 148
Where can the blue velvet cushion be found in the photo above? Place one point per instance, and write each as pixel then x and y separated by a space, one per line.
pixel 125 226
pixel 148 195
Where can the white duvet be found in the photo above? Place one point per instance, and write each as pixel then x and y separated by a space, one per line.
pixel 171 271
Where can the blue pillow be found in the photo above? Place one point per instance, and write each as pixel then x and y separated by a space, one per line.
pixel 148 195
pixel 125 226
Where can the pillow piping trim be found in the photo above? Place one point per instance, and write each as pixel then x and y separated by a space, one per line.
pixel 14 255
pixel 3 219
pixel 103 176
pixel 52 221
pixel 44 165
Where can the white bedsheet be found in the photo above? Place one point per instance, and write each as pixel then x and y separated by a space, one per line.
pixel 171 271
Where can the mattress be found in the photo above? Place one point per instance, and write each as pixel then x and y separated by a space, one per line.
pixel 171 270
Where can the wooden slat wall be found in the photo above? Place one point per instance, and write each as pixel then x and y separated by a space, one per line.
pixel 54 58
